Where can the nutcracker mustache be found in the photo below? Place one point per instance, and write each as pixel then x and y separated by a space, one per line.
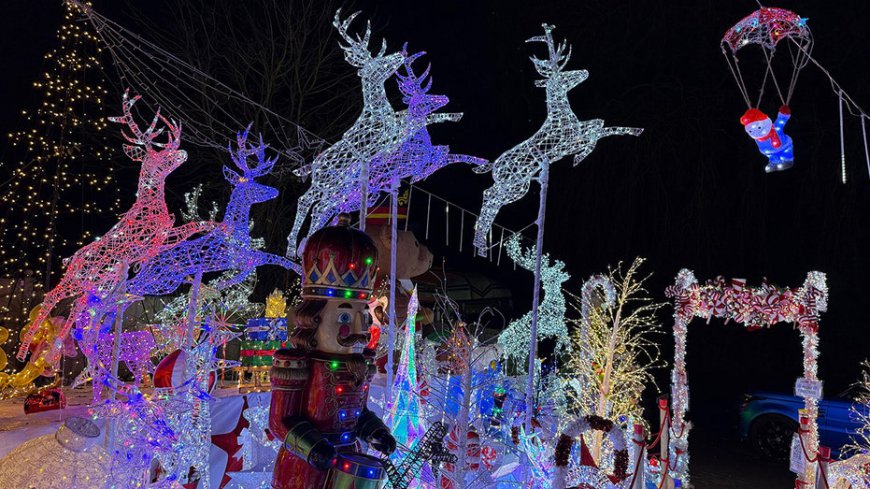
pixel 354 339
pixel 357 366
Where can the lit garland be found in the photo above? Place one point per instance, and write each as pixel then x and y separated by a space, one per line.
pixel 65 156
pixel 590 475
pixel 514 340
pixel 561 135
pixel 341 167
pixel 754 307
pixel 101 267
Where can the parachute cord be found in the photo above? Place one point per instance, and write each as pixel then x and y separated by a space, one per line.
pixel 866 153
pixel 798 63
pixel 769 59
pixel 842 141
pixel 851 105
pixel 738 77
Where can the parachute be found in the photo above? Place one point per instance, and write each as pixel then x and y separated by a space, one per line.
pixel 764 30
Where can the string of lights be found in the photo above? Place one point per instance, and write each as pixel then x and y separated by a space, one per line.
pixel 64 155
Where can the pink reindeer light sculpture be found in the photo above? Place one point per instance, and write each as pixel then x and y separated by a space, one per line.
pixel 100 267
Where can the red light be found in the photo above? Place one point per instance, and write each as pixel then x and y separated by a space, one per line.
pixel 362 295
pixel 339 389
pixel 346 466
pixel 352 266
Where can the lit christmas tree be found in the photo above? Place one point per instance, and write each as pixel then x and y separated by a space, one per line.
pixel 405 413
pixel 63 180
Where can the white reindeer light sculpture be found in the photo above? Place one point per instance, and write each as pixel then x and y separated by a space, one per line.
pixel 377 131
pixel 561 135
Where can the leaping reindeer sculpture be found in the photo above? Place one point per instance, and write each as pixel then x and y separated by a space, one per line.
pixel 228 246
pixel 376 131
pixel 148 227
pixel 562 134
pixel 416 158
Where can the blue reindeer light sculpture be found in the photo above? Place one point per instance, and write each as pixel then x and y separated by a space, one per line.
pixel 228 246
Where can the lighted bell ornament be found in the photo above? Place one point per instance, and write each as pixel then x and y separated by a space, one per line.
pixel 71 458
pixel 771 141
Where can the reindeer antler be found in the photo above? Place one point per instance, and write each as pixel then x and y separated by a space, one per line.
pixel 411 83
pixel 240 155
pixel 141 141
pixel 357 51
pixel 557 59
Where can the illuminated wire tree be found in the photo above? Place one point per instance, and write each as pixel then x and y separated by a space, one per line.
pixel 613 353
pixel 61 178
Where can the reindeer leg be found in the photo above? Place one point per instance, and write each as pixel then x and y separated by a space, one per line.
pixel 491 205
pixel 585 147
pixel 445 117
pixel 494 198
pixel 51 299
pixel 303 206
pixel 269 259
pixel 185 231
pixel 235 279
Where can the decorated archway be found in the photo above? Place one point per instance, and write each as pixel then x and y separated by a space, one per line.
pixel 754 308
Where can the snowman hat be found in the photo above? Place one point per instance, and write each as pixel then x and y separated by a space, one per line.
pixel 752 115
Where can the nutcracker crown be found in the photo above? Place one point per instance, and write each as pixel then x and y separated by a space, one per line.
pixel 339 262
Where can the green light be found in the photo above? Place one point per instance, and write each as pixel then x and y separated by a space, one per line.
pixel 333 365
pixel 348 294
pixel 369 261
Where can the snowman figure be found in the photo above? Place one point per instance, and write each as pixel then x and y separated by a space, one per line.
pixel 771 141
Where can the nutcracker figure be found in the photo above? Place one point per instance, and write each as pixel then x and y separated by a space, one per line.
pixel 320 384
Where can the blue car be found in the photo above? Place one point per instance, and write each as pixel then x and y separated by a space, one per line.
pixel 768 420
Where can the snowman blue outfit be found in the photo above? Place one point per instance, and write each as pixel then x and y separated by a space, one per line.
pixel 770 138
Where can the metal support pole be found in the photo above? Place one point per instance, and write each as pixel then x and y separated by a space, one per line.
pixel 391 332
pixel 544 180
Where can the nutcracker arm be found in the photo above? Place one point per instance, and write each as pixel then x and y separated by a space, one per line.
pixel 289 375
pixel 307 442
pixel 371 429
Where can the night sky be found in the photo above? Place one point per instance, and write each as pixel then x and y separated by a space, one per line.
pixel 690 192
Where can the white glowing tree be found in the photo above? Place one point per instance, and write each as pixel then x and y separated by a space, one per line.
pixel 614 354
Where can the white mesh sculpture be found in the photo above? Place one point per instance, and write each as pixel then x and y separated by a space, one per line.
pixel 343 166
pixel 561 135
pixel 514 340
